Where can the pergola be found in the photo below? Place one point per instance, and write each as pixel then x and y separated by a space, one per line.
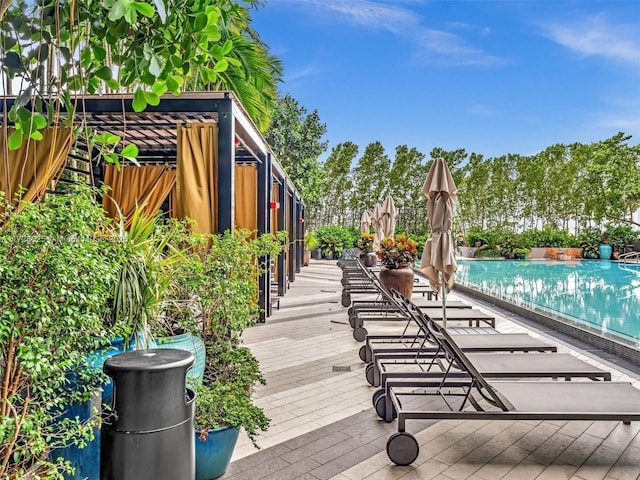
pixel 155 132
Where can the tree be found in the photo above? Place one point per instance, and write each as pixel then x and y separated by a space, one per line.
pixel 338 184
pixel 59 51
pixel 370 180
pixel 252 73
pixel 296 140
pixel 406 178
pixel 613 179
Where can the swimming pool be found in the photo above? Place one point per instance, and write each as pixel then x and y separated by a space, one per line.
pixel 598 294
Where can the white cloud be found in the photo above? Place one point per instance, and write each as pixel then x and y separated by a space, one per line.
pixel 481 110
pixel 392 16
pixel 307 71
pixel 595 36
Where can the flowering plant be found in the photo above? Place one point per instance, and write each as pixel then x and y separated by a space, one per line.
pixel 365 242
pixel 397 252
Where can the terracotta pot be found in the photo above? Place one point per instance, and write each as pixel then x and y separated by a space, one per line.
pixel 399 278
pixel 306 258
pixel 369 259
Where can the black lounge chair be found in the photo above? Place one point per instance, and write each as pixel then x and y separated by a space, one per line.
pixel 396 347
pixel 516 400
pixel 427 366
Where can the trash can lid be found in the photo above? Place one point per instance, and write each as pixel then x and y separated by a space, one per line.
pixel 149 360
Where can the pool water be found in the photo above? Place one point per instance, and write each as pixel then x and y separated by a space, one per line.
pixel 600 294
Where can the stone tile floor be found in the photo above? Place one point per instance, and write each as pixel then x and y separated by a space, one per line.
pixel 324 427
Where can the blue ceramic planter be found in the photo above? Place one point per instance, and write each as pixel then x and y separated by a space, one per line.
pixel 214 454
pixel 86 461
pixel 190 343
pixel 605 251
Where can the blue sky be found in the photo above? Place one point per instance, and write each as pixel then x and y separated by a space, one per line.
pixel 493 77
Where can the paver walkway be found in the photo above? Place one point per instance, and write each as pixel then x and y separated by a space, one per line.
pixel 324 427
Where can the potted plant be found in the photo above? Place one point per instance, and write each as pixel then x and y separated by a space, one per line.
pixel 365 245
pixel 520 253
pixel 223 279
pixel 144 275
pixel 604 249
pixel 397 256
pixel 589 241
pixel 57 278
pixel 313 246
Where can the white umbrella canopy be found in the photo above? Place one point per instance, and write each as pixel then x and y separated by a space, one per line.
pixel 365 223
pixel 388 218
pixel 376 224
pixel 438 259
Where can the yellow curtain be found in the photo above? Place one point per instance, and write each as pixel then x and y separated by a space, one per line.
pixel 197 176
pixel 35 165
pixel 147 187
pixel 246 197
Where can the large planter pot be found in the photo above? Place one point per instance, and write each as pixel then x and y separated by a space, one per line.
pixel 191 343
pixel 306 258
pixel 399 278
pixel 214 453
pixel 605 251
pixel 369 259
pixel 86 461
pixel 316 254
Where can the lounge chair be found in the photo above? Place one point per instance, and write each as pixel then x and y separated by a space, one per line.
pixel 428 366
pixel 516 400
pixel 388 308
pixel 403 346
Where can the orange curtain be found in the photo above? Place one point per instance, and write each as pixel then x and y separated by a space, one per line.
pixel 197 176
pixel 147 187
pixel 35 165
pixel 246 197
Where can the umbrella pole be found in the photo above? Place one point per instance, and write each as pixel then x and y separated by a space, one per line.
pixel 443 289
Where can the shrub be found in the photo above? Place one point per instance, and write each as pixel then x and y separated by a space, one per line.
pixel 57 274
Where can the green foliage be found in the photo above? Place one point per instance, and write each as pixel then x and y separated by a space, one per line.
pixel 365 242
pixel 590 240
pixel 311 240
pixel 621 235
pixel 57 51
pixel 228 404
pixel 334 239
pixel 219 279
pixel 144 276
pixel 487 251
pixel 474 235
pixel 296 139
pixel 548 237
pixel 57 271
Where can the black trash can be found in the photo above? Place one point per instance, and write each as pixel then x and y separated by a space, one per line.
pixel 149 435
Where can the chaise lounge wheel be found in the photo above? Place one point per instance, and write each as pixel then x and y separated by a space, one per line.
pixel 402 448
pixel 369 373
pixel 381 409
pixel 376 395
pixel 346 299
pixel 360 334
pixel 364 353
pixel 352 321
pixel 350 312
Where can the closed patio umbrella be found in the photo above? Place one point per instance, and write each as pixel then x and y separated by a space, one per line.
pixel 438 259
pixel 365 223
pixel 388 219
pixel 376 224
